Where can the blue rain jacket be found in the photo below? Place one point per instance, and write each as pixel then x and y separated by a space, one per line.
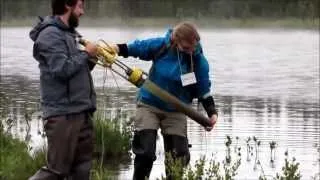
pixel 167 69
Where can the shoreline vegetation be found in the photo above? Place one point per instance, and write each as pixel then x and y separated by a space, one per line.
pixel 16 157
pixel 112 147
pixel 158 22
pixel 154 13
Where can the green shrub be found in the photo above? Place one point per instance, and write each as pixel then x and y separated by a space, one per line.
pixel 112 139
pixel 16 162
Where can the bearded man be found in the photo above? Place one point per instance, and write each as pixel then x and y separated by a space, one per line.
pixel 68 98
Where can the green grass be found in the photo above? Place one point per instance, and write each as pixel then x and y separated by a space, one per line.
pixel 112 141
pixel 112 137
pixel 208 169
pixel 205 168
pixel 16 163
pixel 99 172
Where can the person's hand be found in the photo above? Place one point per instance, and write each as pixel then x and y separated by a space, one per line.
pixel 91 49
pixel 115 48
pixel 213 121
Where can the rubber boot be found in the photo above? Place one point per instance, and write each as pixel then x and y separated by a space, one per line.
pixel 144 147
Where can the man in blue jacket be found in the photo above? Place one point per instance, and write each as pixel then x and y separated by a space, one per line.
pixel 180 68
pixel 68 98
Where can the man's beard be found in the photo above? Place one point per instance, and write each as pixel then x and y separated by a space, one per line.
pixel 73 20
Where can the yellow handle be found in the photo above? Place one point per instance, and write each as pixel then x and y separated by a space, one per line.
pixel 135 75
pixel 104 51
pixel 107 57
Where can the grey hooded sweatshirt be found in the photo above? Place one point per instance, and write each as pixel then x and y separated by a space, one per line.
pixel 66 85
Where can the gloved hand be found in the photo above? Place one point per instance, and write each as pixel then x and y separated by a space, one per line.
pixel 114 48
pixel 213 119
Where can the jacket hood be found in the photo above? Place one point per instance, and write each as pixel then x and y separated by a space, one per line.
pixel 45 22
pixel 167 37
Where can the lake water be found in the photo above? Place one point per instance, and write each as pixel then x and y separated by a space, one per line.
pixel 265 82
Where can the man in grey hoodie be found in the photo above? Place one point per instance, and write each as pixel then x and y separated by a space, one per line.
pixel 68 98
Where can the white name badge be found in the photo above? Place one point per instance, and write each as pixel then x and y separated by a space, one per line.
pixel 188 79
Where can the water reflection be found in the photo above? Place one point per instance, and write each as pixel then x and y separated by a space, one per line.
pixel 294 125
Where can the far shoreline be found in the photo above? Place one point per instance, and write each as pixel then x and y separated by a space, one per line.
pixel 205 22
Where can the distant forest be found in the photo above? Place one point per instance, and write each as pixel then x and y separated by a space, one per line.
pixel 302 9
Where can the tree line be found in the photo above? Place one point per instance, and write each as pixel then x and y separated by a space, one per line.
pixel 173 8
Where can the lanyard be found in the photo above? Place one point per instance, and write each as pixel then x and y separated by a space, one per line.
pixel 180 62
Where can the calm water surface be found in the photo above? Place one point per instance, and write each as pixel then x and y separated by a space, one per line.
pixel 266 84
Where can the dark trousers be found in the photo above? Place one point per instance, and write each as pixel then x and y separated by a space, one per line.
pixel 70 148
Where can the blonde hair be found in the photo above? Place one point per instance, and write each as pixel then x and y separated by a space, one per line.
pixel 185 31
